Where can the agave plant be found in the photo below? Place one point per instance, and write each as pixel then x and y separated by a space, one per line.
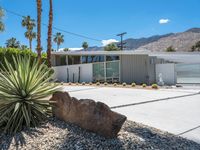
pixel 24 88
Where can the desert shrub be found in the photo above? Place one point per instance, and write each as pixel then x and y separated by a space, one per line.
pixel 70 83
pixel 105 83
pixel 90 83
pixel 133 84
pixel 98 83
pixel 124 84
pixel 61 83
pixel 115 84
pixel 77 83
pixel 83 83
pixel 24 88
pixel 154 86
pixel 144 85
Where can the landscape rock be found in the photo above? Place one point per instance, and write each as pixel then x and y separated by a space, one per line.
pixel 88 114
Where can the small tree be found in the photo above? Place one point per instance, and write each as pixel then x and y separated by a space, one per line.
pixel 111 47
pixel 170 49
pixel 58 39
pixel 196 47
pixel 12 43
pixel 85 45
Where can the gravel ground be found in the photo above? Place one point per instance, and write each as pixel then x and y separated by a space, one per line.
pixel 57 135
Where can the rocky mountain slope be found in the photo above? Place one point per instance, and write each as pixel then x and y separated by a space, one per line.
pixel 180 41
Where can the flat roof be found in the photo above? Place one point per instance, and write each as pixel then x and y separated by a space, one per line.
pixel 126 52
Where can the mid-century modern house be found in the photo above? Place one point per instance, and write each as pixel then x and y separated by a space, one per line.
pixel 126 66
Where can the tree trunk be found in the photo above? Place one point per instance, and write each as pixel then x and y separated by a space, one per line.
pixel 49 46
pixel 30 44
pixel 58 45
pixel 39 12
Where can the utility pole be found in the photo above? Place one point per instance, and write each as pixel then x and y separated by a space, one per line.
pixel 121 45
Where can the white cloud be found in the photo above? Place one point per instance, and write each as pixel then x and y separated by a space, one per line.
pixel 109 41
pixel 164 21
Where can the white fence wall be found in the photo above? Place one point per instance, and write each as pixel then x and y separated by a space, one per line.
pixel 168 73
pixel 85 73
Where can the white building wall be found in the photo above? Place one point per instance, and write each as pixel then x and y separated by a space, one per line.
pixel 168 73
pixel 85 73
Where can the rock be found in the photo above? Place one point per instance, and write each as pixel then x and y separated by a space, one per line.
pixel 88 114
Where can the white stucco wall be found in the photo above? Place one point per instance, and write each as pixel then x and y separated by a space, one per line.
pixel 85 73
pixel 168 73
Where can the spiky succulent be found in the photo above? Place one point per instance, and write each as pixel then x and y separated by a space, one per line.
pixel 24 88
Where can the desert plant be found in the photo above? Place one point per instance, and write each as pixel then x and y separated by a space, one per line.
pixel 144 85
pixel 77 83
pixel 105 83
pixel 133 84
pixel 90 83
pixel 83 83
pixel 70 83
pixel 124 84
pixel 154 86
pixel 23 89
pixel 115 84
pixel 61 83
pixel 98 83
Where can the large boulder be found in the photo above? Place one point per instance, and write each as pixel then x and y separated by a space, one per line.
pixel 88 114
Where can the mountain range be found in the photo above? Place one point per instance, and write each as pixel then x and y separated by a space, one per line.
pixel 182 41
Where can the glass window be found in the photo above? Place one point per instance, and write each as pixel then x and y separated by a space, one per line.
pixel 72 60
pixel 112 58
pixel 92 59
pixel 112 71
pixel 98 72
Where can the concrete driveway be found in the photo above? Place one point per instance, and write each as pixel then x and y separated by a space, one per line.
pixel 174 110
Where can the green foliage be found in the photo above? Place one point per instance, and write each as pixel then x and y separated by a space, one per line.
pixel 58 39
pixel 111 47
pixel 196 47
pixel 133 84
pixel 170 49
pixel 12 43
pixel 2 27
pixel 154 86
pixel 23 90
pixel 84 45
pixel 66 49
pixel 144 85
pixel 9 52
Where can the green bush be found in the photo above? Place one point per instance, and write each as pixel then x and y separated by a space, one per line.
pixel 70 83
pixel 144 85
pixel 154 86
pixel 105 83
pixel 83 83
pixel 98 83
pixel 23 89
pixel 90 83
pixel 133 84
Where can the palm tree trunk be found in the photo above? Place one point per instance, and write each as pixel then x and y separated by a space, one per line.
pixel 39 12
pixel 58 45
pixel 49 46
pixel 30 44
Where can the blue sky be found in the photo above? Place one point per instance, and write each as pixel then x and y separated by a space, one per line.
pixel 103 19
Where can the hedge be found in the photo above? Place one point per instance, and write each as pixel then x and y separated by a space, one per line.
pixel 9 52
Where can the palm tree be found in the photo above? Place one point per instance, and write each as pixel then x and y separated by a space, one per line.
pixel 58 39
pixel 49 46
pixel 39 12
pixel 2 27
pixel 85 45
pixel 12 43
pixel 29 34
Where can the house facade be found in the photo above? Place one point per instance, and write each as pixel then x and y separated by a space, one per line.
pixel 123 66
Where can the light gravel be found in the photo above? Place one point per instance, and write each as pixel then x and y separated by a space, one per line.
pixel 58 135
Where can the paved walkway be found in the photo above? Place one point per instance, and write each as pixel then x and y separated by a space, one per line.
pixel 174 110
